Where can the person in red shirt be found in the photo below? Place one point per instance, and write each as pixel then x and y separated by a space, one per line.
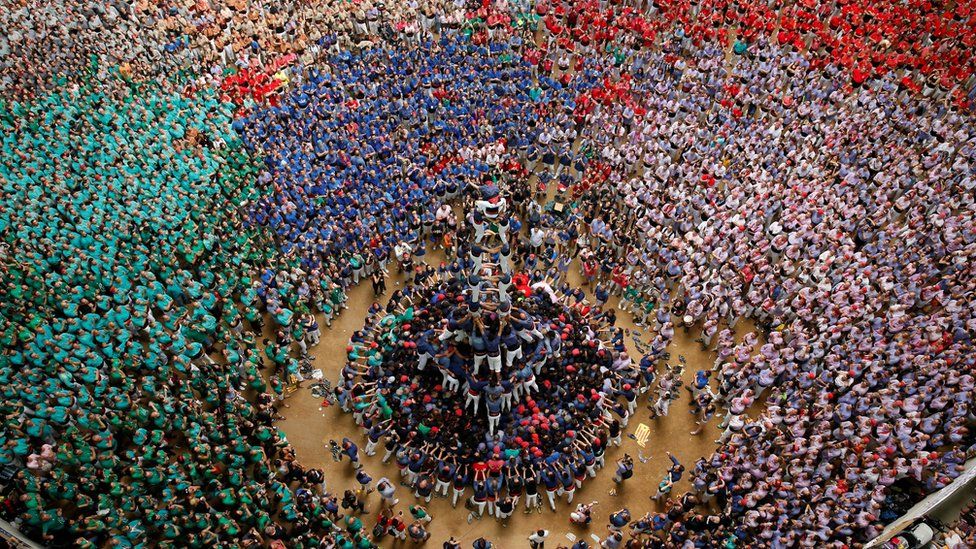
pixel 620 279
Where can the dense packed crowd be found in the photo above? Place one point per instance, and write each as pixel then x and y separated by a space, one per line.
pixel 841 223
pixel 808 167
pixel 48 44
pixel 125 260
pixel 359 152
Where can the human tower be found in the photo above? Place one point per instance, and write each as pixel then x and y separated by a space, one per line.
pixel 468 369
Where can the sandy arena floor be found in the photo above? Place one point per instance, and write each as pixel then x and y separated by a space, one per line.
pixel 309 427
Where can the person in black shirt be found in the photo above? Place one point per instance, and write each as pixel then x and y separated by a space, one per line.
pixel 506 506
pixel 531 492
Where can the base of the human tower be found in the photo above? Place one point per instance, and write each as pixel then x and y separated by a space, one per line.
pixel 527 381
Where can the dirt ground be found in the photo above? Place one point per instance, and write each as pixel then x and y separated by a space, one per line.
pixel 309 426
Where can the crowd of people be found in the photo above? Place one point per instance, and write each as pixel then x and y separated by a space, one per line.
pixel 359 153
pixel 124 264
pixel 469 379
pixel 195 43
pixel 840 222
pixel 49 44
pixel 190 188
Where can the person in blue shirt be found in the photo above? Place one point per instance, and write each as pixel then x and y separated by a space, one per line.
pixel 351 451
pixel 619 519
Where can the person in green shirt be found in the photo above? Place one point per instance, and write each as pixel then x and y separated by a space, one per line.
pixel 353 524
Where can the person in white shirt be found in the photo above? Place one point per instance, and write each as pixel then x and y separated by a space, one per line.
pixel 538 539
pixel 387 491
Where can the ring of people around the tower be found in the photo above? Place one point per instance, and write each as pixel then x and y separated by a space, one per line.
pixel 476 369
